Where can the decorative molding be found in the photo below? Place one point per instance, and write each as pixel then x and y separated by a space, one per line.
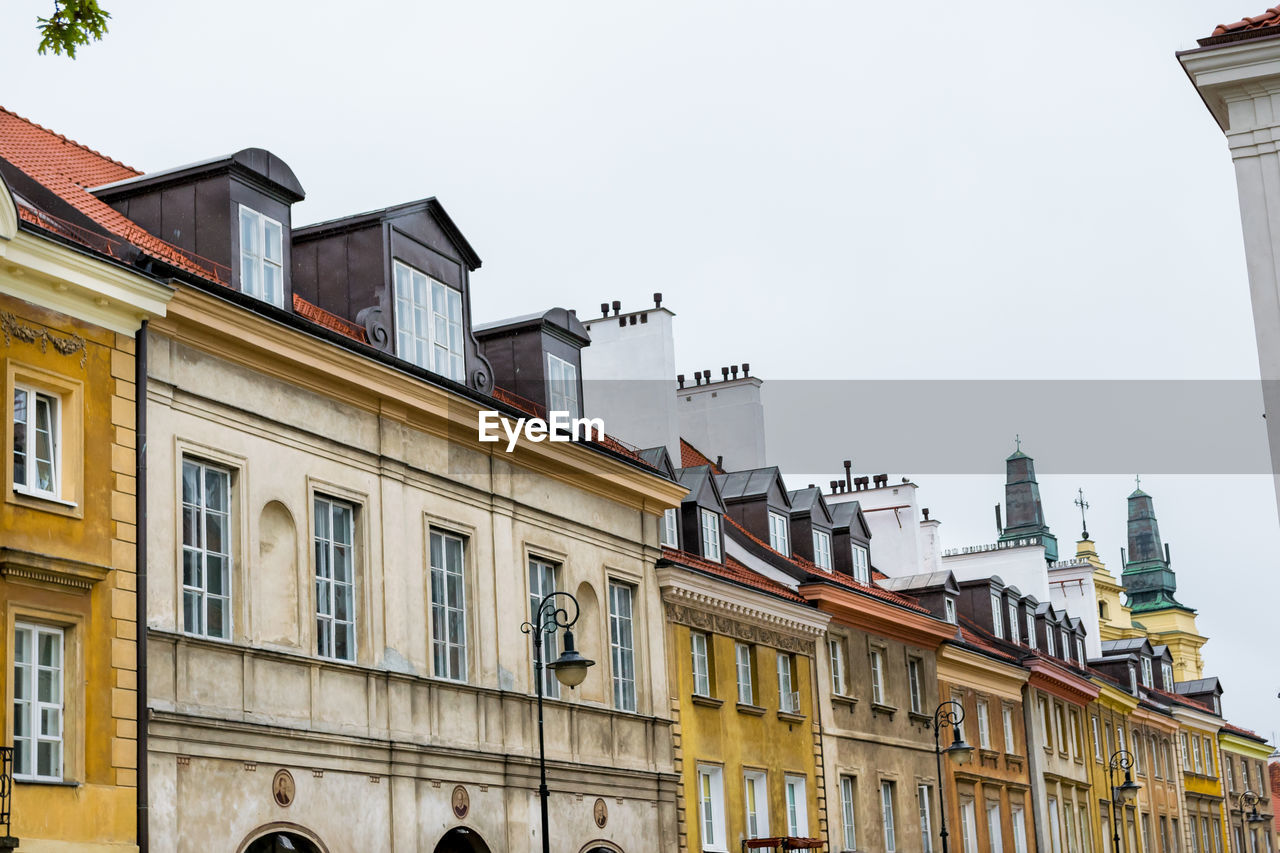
pixel 15 328
pixel 375 329
pixel 43 569
pixel 721 623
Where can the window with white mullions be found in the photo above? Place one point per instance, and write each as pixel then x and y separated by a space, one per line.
pixel 822 550
pixel 797 807
pixel 206 550
pixel 622 647
pixel 669 534
pixel 261 257
pixel 335 581
pixel 847 813
pixel 542 582
pixel 757 804
pixel 562 386
pixel 38 667
pixel 861 564
pixel 448 606
pixel 428 322
pixel 779 536
pixel 788 698
pixel 746 688
pixel 710 535
pixel 36 440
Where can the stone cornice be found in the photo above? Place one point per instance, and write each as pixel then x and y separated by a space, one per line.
pixel 713 613
pixel 958 665
pixel 1245 746
pixel 50 571
pixel 1115 699
pixel 1065 685
pixel 878 617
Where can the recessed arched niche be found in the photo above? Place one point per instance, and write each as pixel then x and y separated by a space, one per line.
pixel 587 637
pixel 275 577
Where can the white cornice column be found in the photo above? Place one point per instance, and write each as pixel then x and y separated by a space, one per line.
pixel 1240 84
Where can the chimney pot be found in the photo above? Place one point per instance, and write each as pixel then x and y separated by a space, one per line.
pixel 926 513
pixel 746 369
pixel 834 483
pixel 733 368
pixel 848 472
pixel 657 300
pixel 706 375
pixel 724 374
pixel 604 309
pixel 719 461
pixel 680 380
pixel 617 306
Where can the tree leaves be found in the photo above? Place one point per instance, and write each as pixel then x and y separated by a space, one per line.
pixel 73 23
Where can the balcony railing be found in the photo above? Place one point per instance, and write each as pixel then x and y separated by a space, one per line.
pixel 7 841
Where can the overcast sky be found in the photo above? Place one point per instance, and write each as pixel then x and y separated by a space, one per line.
pixel 933 190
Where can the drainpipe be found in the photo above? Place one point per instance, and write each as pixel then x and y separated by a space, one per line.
pixel 140 569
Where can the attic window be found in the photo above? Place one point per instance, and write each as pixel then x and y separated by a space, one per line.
pixel 261 257
pixel 1146 672
pixel 949 606
pixel 822 549
pixel 428 323
pixel 562 386
pixel 861 564
pixel 1166 671
pixel 778 533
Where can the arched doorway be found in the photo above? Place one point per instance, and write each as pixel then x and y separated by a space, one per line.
pixel 282 842
pixel 462 839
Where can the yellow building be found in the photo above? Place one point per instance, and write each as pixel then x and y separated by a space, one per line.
pixel 69 313
pixel 1246 783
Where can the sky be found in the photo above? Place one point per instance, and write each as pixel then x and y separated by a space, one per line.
pixel 826 190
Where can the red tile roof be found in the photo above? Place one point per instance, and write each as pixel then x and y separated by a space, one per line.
pixel 330 321
pixel 732 570
pixel 69 170
pixel 1268 19
pixel 691 457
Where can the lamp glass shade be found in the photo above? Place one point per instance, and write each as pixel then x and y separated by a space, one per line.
pixel 570 668
pixel 960 752
pixel 1129 790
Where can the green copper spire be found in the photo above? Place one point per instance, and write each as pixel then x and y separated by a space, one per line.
pixel 1024 516
pixel 1147 578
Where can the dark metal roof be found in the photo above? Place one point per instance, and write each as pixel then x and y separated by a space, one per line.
pixel 659 458
pixel 701 483
pixel 559 320
pixel 741 485
pixel 1199 685
pixel 431 204
pixel 1118 647
pixel 256 164
pixel 922 582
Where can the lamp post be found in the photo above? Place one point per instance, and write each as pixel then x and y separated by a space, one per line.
pixel 570 670
pixel 1121 795
pixel 1250 799
pixel 949 713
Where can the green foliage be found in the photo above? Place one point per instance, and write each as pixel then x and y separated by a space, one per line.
pixel 73 23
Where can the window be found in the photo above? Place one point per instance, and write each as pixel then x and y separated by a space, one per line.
pixel 1097 741
pixel 1166 672
pixel 822 550
pixel 1066 644
pixel 1077 744
pixel 968 827
pixel 1119 738
pixel 1135 740
pixel 1195 754
pixel 206 550
pixel 1086 829
pixel 779 539
pixel 448 607
pixel 669 529
pixel 1104 823
pixel 797 808
pixel 1031 626
pixel 886 815
pixel 1186 755
pixel 1080 652
pixel 1055 826
pixel 542 582
pixel 949 607
pixel 1153 753
pixel 958 698
pixel 846 813
pixel 1147 841
pixel 701 665
pixel 984 725
pixel 38 668
pixel 1013 622
pixel 788 698
pixel 1060 727
pixel 1133 679
pixel 562 386
pixel 428 323
pixel 1048 640
pixel 994 835
pixel 1010 745
pixel 1068 819
pixel 923 798
pixel 746 689
pixel 37 440
pixel 877 677
pixel 1146 672
pixel 861 564
pixel 1019 821
pixel 1177 836
pixel 917 691
pixel 1204 835
pixel 1195 836
pixel 757 802
pixel 710 535
pixel 261 257
pixel 622 647
pixel 335 580
pixel 836 648
pixel 1208 757
pixel 997 618
pixel 711 802
pixel 1046 724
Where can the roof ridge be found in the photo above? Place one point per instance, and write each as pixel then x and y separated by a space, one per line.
pixel 64 138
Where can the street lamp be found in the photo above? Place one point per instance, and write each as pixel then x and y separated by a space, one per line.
pixel 1122 795
pixel 570 669
pixel 1251 799
pixel 952 714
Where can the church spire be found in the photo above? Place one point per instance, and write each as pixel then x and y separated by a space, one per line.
pixel 1024 515
pixel 1147 578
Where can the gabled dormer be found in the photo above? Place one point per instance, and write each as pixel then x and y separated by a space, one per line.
pixel 811 527
pixel 851 541
pixel 233 210
pixel 982 600
pixel 669 525
pixel 538 357
pixel 936 592
pixel 757 499
pixel 1207 691
pixel 1162 663
pixel 702 514
pixel 404 274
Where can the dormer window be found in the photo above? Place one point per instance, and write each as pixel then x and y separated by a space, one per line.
pixel 1080 651
pixel 778 535
pixel 1146 672
pixel 1166 672
pixel 668 532
pixel 1013 622
pixel 1133 679
pixel 997 618
pixel 562 385
pixel 1066 644
pixel 710 535
pixel 1031 627
pixel 949 608
pixel 428 323
pixel 261 257
pixel 861 564
pixel 822 550
pixel 1048 639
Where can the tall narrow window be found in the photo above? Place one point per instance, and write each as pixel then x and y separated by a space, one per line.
pixel 1208 758
pixel 746 689
pixel 1086 829
pixel 1031 626
pixel 36 442
pixel 669 534
pixel 38 670
pixel 984 725
pixel 757 803
pixel 788 697
pixel 1097 741
pixel 1195 753
pixel 923 800
pixel 335 581
pixel 1060 721
pixel 916 685
pixel 822 550
pixel 886 815
pixel 849 825
pixel 994 835
pixel 949 609
pixel 448 607
pixel 1006 717
pixel 968 827
pixel 622 646
pixel 542 582
pixel 779 537
pixel 1166 673
pixel 261 257
pixel 1046 724
pixel 861 564
pixel 997 616
pixel 1077 745
pixel 711 801
pixel 710 535
pixel 206 550
pixel 1048 639
pixel 1019 821
pixel 1055 826
pixel 797 807
pixel 701 664
pixel 1013 622
pixel 836 648
pixel 562 386
pixel 428 323
pixel 877 676
pixel 1080 652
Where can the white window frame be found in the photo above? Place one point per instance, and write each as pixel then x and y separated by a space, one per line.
pixel 995 832
pixel 1031 627
pixel 698 644
pixel 886 817
pixel 1055 826
pixel 33 397
pixel 822 549
pixel 779 533
pixel 443 579
pixel 668 533
pixel 997 614
pixel 916 685
pixel 1097 739
pixel 788 696
pixel 742 661
pixel 1166 669
pixel 949 609
pixel 257 259
pixel 877 677
pixel 622 644
pixel 1014 634
pixel 1080 656
pixel 711 828
pixel 562 386
pixel 332 588
pixel 198 555
pixel 848 813
pixel 544 578
pixel 1018 819
pixel 755 782
pixel 984 724
pixel 1048 640
pixel 1006 718
pixel 861 563
pixel 422 346
pixel 835 648
pixel 797 804
pixel 30 712
pixel 968 826
pixel 924 800
pixel 710 526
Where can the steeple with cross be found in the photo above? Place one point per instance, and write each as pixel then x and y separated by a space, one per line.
pixel 1084 505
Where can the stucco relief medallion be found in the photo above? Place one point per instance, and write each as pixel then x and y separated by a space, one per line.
pixel 461 802
pixel 601 812
pixel 283 789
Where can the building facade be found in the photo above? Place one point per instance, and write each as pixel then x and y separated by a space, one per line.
pixel 1245 777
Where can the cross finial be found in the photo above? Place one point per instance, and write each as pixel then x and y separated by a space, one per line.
pixel 1018 440
pixel 1137 482
pixel 1083 504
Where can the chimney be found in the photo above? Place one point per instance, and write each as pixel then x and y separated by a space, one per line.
pixel 734 370
pixel 724 374
pixel 617 307
pixel 848 472
pixel 834 483
pixel 926 513
pixel 657 300
pixel 680 380
pixel 604 309
pixel 720 462
pixel 706 376
pixel 999 522
pixel 697 377
pixel 882 480
pixel 746 370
